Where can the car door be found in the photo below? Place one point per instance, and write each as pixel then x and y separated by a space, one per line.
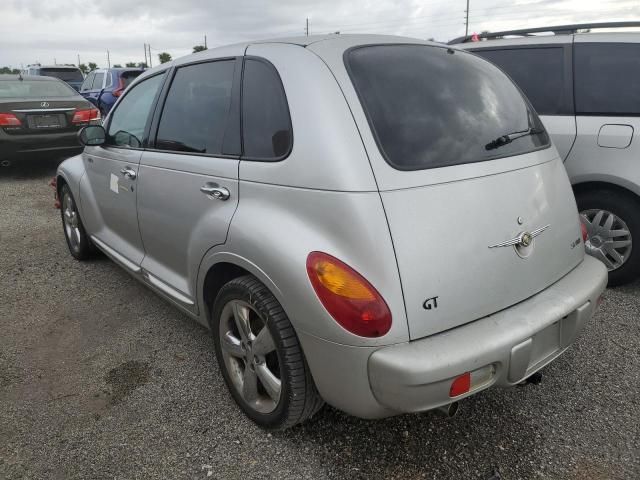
pixel 544 74
pixel 188 183
pixel 110 184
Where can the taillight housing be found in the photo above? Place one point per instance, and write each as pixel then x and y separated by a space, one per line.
pixel 348 297
pixel 585 233
pixel 86 116
pixel 9 120
pixel 118 91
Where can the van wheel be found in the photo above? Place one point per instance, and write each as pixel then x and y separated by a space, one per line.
pixel 613 223
pixel 260 356
pixel 78 241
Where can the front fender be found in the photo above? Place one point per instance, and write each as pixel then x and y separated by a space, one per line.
pixel 71 172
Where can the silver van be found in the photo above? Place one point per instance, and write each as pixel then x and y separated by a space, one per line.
pixel 374 222
pixel 584 87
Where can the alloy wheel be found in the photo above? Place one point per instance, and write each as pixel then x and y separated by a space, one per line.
pixel 609 237
pixel 71 221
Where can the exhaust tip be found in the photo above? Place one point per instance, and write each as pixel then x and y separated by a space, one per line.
pixel 449 411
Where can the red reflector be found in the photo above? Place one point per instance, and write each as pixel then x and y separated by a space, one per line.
pixel 86 116
pixel 460 385
pixel 585 234
pixel 9 120
pixel 348 297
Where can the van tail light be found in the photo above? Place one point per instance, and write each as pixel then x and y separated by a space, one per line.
pixel 585 233
pixel 86 115
pixel 9 120
pixel 118 91
pixel 350 299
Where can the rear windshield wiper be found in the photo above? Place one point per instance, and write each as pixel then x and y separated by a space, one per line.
pixel 510 137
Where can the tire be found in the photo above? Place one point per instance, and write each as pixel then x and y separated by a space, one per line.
pixel 77 239
pixel 252 356
pixel 620 213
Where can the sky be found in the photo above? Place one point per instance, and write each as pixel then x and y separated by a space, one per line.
pixel 45 31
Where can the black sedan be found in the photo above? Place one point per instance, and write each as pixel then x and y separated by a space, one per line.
pixel 40 115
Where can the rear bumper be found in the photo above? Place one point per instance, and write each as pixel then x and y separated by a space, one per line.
pixel 12 146
pixel 507 347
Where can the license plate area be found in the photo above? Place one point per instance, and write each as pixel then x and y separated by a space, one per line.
pixel 546 344
pixel 46 121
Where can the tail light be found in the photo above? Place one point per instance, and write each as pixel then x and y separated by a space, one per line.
pixel 585 233
pixel 86 116
pixel 9 120
pixel 350 299
pixel 118 91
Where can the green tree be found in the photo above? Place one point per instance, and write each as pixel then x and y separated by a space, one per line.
pixel 142 65
pixel 131 64
pixel 117 65
pixel 92 66
pixel 83 68
pixel 164 57
pixel 199 48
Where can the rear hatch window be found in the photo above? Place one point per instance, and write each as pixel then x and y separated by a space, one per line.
pixel 66 74
pixel 432 107
pixel 128 77
pixel 34 89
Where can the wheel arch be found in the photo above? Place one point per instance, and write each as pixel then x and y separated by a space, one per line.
pixel 592 185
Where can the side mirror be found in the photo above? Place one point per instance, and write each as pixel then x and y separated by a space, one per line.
pixel 92 135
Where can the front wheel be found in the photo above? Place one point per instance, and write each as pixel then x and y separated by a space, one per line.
pixel 260 356
pixel 613 223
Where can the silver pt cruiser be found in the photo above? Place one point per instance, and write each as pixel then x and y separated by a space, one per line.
pixel 374 222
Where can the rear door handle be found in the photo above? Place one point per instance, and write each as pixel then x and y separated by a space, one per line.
pixel 129 173
pixel 213 190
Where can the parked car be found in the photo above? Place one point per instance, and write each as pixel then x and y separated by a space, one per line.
pixel 103 87
pixel 585 89
pixel 386 245
pixel 40 114
pixel 69 74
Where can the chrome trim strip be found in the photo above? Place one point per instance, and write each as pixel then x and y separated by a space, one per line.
pixel 46 110
pixel 115 255
pixel 172 292
pixel 518 239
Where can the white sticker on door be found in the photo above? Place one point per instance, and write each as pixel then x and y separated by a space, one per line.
pixel 113 184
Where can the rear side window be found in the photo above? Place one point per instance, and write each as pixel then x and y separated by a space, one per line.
pixel 540 73
pixel 97 81
pixel 266 125
pixel 86 85
pixel 606 78
pixel 128 77
pixel 194 118
pixel 434 107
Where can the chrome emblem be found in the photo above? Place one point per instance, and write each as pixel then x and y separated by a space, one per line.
pixel 44 104
pixel 524 239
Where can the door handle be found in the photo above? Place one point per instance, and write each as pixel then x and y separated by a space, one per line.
pixel 129 173
pixel 213 190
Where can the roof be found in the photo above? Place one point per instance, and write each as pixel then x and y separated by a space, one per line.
pixel 69 67
pixel 36 78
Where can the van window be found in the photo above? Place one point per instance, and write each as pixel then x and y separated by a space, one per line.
pixel 606 78
pixel 86 85
pixel 129 119
pixel 194 117
pixel 266 125
pixel 434 107
pixel 97 81
pixel 540 73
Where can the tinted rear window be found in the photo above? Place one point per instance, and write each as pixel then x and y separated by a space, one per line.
pixel 434 107
pixel 540 73
pixel 66 74
pixel 128 77
pixel 35 89
pixel 606 78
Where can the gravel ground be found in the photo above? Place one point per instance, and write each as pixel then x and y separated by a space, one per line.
pixel 100 378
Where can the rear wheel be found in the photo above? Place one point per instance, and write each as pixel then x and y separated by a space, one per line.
pixel 613 223
pixel 78 241
pixel 260 356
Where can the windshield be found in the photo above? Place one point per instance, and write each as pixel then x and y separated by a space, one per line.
pixel 34 89
pixel 434 107
pixel 66 74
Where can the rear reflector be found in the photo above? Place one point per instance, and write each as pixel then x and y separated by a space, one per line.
pixel 470 381
pixel 460 385
pixel 9 120
pixel 86 116
pixel 348 297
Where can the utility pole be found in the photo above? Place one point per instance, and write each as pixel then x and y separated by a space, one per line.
pixel 306 29
pixel 108 60
pixel 145 55
pixel 78 60
pixel 205 42
pixel 149 47
pixel 55 62
pixel 466 22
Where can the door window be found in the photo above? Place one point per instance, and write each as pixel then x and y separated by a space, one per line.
pixel 195 113
pixel 606 78
pixel 266 125
pixel 129 119
pixel 97 81
pixel 86 85
pixel 540 73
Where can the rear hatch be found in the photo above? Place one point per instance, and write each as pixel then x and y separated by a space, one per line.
pixel 458 190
